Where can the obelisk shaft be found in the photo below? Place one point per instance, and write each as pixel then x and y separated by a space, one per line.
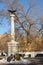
pixel 12 16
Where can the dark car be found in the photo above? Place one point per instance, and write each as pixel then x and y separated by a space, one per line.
pixel 39 55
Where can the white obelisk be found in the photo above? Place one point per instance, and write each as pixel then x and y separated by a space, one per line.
pixel 12 45
pixel 12 27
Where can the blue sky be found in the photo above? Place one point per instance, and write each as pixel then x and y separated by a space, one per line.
pixel 25 4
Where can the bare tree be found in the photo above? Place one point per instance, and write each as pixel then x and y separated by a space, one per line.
pixel 22 17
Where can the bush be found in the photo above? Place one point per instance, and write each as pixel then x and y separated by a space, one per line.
pixel 2 54
pixel 17 57
pixel 9 59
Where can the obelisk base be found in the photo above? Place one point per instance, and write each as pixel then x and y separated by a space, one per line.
pixel 12 47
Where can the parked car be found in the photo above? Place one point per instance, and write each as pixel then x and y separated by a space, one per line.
pixel 39 56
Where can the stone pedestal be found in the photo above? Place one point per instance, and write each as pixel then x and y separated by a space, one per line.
pixel 12 48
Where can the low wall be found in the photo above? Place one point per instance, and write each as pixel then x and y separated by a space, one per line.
pixel 33 54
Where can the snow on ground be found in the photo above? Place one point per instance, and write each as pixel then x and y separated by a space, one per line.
pixel 3 61
pixel 23 61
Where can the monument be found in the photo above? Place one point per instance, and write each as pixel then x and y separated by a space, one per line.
pixel 12 45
